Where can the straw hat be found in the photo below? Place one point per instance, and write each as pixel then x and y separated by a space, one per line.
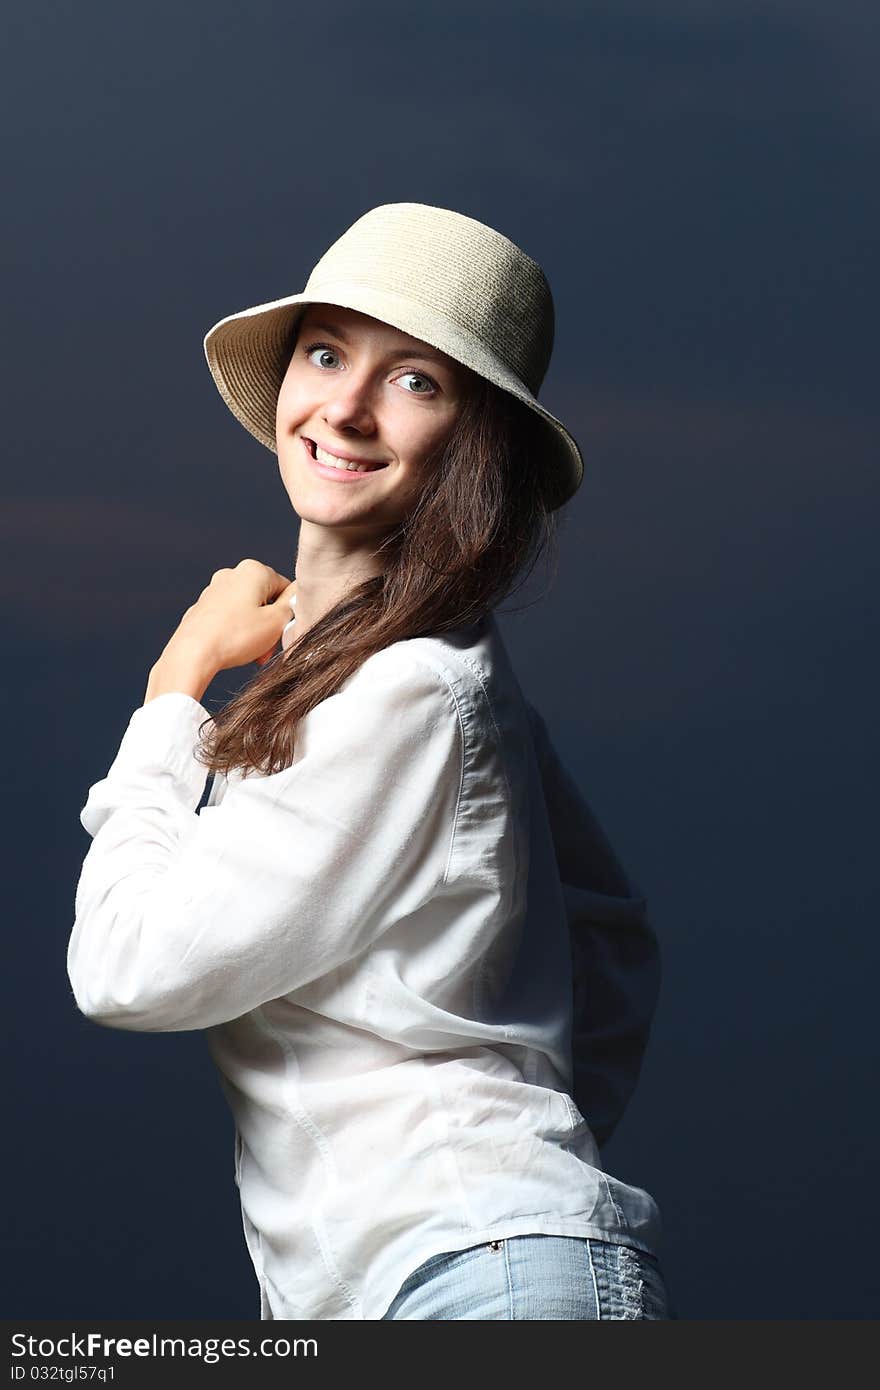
pixel 444 278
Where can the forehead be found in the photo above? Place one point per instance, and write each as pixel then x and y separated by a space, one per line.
pixel 351 325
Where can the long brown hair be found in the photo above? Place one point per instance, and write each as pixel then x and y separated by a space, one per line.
pixel 486 514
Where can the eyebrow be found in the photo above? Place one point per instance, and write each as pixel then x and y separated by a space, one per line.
pixel 417 350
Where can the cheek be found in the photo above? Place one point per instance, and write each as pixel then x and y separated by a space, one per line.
pixel 285 399
pixel 420 438
pixel 429 441
pixel 291 394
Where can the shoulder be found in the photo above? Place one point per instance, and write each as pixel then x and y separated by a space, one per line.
pixel 455 665
pixel 471 660
pixel 471 667
pixel 397 702
pixel 448 687
pixel 398 673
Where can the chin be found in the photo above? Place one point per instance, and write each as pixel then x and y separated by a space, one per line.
pixel 323 511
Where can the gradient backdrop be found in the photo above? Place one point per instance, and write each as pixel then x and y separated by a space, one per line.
pixel 699 182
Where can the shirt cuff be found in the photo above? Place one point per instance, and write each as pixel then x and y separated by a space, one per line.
pixel 160 741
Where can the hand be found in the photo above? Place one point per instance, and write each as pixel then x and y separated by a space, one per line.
pixel 238 618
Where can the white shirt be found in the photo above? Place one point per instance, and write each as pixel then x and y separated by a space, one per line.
pixel 378 941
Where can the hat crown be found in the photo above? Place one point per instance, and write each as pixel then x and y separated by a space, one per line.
pixel 454 266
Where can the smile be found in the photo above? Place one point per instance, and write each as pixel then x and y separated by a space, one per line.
pixel 342 469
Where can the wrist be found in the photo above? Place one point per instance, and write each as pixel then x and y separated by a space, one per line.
pixel 179 672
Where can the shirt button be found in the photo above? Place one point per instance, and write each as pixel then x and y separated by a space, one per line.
pixel 495 1244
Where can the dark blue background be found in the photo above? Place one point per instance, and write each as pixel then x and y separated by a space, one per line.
pixel 699 183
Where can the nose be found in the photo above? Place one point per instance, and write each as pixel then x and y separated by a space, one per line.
pixel 349 405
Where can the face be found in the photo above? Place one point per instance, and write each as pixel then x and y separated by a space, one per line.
pixel 358 390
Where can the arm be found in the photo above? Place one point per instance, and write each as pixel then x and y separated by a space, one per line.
pixel 186 919
pixel 615 952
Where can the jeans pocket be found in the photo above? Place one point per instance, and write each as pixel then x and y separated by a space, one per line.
pixel 468 1283
pixel 440 1263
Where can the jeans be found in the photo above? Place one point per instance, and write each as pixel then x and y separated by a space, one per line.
pixel 531 1277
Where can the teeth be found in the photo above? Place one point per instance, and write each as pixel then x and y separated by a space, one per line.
pixel 333 462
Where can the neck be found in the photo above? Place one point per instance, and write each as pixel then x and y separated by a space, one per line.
pixel 329 565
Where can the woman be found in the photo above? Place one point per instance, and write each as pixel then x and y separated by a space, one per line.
pixel 376 915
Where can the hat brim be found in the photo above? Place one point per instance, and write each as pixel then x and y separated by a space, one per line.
pixel 248 354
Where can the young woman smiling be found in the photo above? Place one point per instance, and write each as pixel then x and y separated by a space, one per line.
pixel 426 980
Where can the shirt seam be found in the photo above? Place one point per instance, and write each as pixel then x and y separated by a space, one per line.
pixel 477 674
pixel 480 977
pixel 439 676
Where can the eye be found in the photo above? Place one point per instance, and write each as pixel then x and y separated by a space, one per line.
pixel 324 350
pixel 427 388
pixel 429 385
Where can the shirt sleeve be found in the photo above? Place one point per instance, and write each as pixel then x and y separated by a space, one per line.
pixel 187 919
pixel 615 952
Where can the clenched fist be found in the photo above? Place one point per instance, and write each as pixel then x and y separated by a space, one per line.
pixel 238 618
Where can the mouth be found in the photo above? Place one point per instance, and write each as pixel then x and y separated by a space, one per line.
pixel 343 466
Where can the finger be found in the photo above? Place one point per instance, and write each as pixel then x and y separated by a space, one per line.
pixel 273 584
pixel 287 593
pixel 266 580
pixel 282 584
pixel 275 617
